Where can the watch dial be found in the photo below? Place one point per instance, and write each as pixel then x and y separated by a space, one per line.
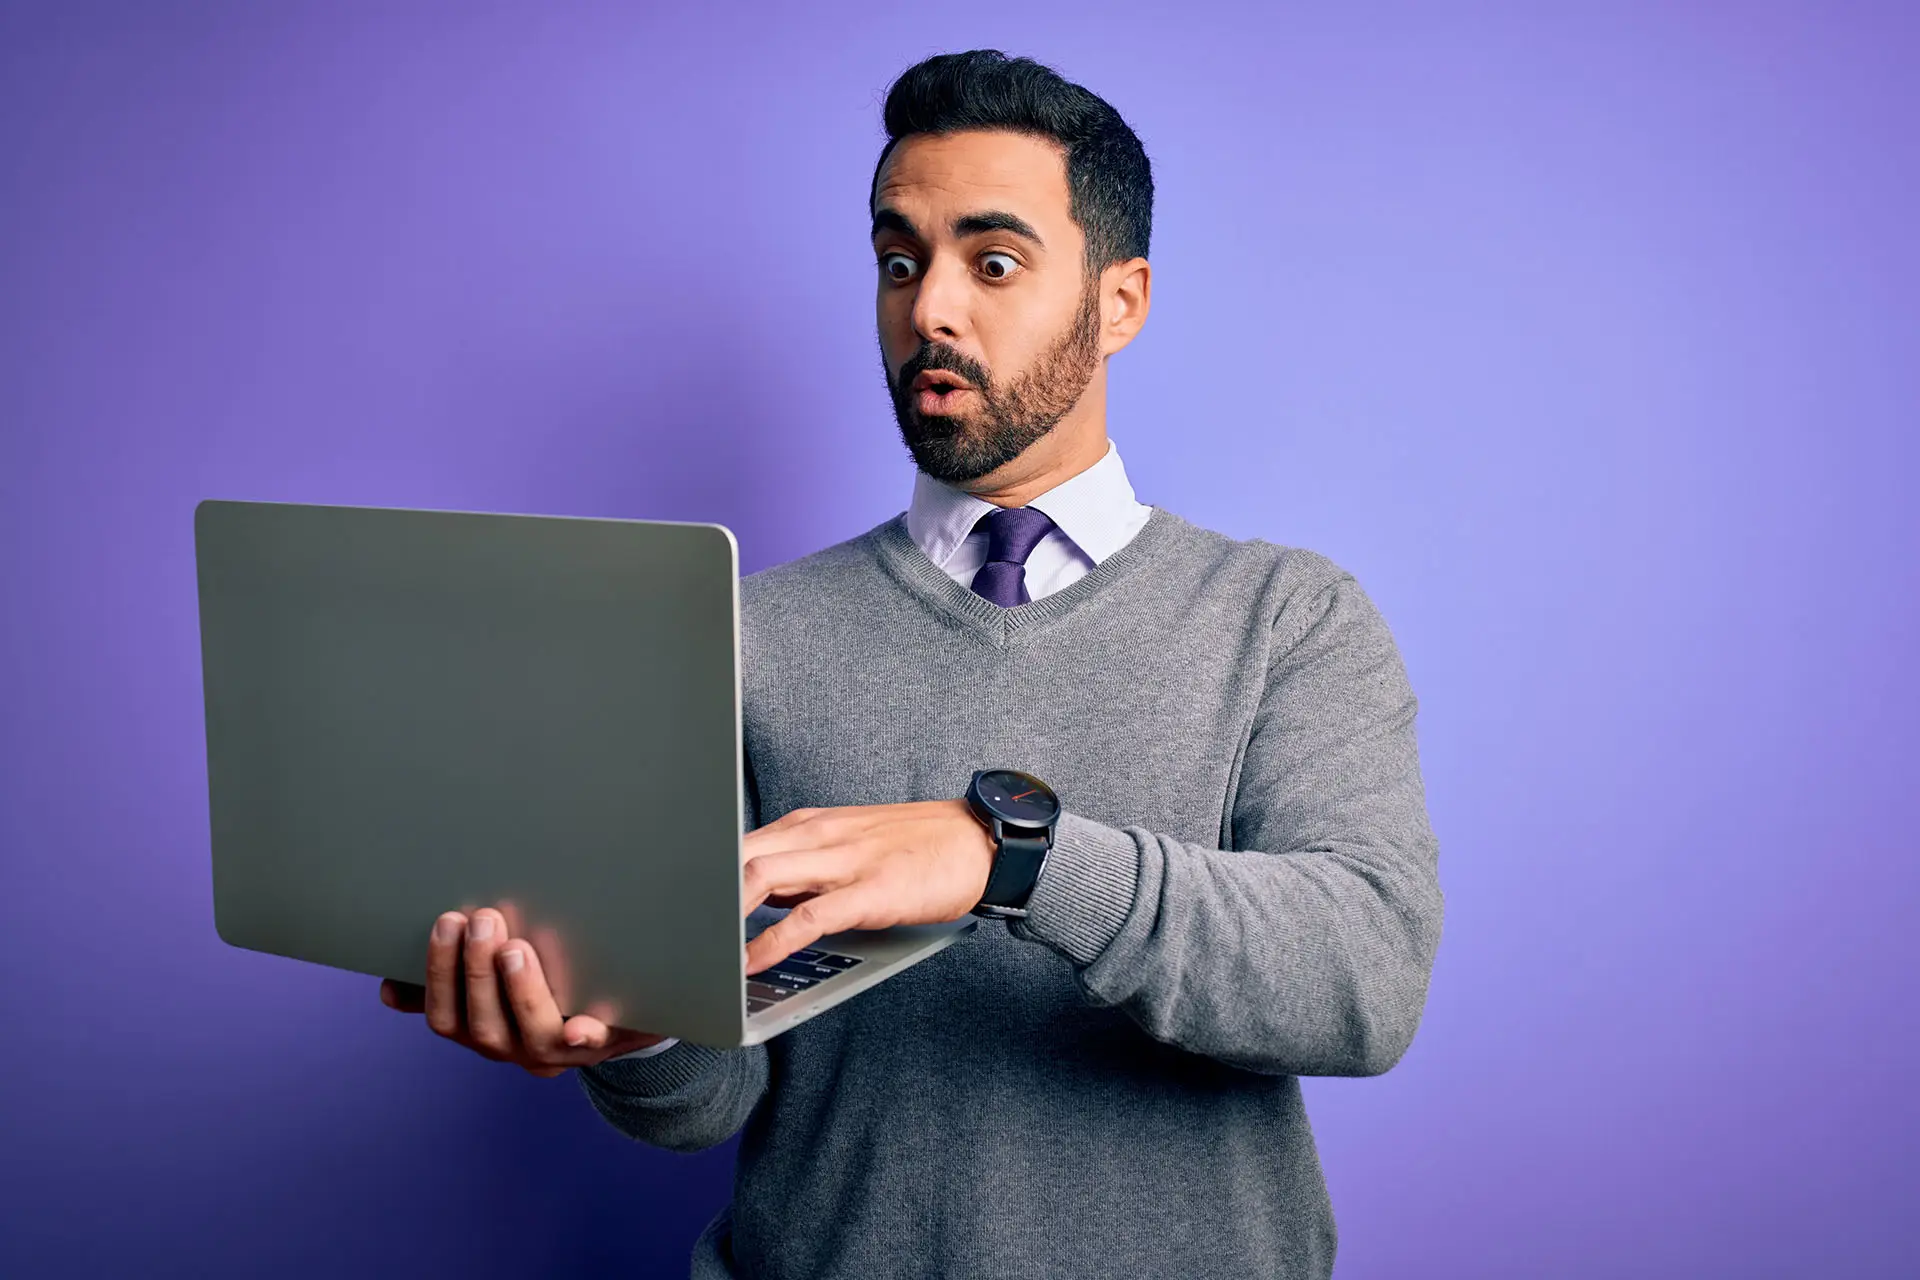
pixel 1019 798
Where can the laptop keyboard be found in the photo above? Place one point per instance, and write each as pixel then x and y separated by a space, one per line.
pixel 799 972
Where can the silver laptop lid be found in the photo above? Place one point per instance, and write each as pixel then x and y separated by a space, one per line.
pixel 414 711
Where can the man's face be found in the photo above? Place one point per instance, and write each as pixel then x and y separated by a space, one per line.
pixel 988 318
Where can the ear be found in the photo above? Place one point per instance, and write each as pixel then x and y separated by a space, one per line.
pixel 1126 290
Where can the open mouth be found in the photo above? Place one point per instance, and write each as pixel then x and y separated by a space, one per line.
pixel 939 380
pixel 937 389
pixel 940 402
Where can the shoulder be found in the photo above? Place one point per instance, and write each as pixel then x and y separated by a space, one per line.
pixel 1286 576
pixel 807 569
pixel 829 578
pixel 1304 600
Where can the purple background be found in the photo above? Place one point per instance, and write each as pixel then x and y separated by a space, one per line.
pixel 1584 334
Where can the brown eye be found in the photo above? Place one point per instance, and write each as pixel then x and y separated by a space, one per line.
pixel 998 266
pixel 898 267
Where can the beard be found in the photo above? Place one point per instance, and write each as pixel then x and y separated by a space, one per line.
pixel 957 448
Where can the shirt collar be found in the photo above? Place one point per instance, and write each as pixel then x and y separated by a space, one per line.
pixel 1092 509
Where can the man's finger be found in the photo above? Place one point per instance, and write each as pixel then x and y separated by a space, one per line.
pixel 488 1026
pixel 584 1032
pixel 579 1041
pixel 860 906
pixel 592 1027
pixel 800 829
pixel 443 992
pixel 792 817
pixel 800 872
pixel 531 1001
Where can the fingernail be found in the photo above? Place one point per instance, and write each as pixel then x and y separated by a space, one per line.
pixel 511 959
pixel 447 929
pixel 576 1038
pixel 481 929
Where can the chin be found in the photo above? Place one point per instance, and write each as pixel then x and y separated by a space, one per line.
pixel 949 448
pixel 943 464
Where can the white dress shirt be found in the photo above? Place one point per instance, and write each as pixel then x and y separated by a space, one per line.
pixel 1094 514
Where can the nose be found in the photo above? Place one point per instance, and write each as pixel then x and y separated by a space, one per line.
pixel 939 304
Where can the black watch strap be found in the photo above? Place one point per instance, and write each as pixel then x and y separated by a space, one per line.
pixel 1016 869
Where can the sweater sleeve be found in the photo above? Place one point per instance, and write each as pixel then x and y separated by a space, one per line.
pixel 687 1097
pixel 1306 948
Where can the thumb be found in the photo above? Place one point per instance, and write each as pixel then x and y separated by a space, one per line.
pixel 583 1031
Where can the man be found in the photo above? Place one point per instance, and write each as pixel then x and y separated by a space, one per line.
pixel 1242 887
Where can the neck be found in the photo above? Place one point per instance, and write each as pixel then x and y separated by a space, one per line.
pixel 1076 442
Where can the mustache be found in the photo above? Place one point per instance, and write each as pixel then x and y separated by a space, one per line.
pixel 938 356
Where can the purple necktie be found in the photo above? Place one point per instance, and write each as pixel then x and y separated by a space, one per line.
pixel 1012 534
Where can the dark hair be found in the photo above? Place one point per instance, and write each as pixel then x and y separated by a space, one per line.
pixel 1109 182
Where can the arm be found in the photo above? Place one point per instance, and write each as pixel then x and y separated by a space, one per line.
pixel 687 1098
pixel 684 1097
pixel 1307 949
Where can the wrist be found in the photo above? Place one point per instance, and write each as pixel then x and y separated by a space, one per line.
pixel 1091 888
pixel 1019 812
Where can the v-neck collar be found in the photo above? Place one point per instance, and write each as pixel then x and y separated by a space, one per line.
pixel 904 559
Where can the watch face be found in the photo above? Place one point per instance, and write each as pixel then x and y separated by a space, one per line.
pixel 1019 798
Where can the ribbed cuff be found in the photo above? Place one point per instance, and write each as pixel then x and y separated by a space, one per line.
pixel 1086 891
pixel 650 1051
pixel 657 1076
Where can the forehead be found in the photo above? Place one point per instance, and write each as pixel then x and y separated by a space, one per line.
pixel 974 170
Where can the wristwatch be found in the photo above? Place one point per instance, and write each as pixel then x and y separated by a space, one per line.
pixel 1021 812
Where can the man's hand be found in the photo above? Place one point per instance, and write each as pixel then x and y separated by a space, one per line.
pixel 863 867
pixel 487 991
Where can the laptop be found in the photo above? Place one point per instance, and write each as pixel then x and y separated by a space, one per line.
pixel 410 712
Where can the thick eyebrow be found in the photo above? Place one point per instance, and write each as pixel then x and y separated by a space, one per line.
pixel 888 220
pixel 971 224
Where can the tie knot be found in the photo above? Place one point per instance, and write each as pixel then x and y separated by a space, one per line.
pixel 1013 533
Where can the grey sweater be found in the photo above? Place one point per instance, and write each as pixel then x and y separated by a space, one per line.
pixel 1243 891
